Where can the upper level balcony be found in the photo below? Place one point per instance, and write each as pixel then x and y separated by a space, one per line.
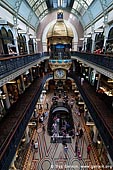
pixel 19 64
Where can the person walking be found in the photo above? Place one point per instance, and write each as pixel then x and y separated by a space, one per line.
pixel 88 150
pixel 65 150
pixel 76 148
pixel 79 154
pixel 47 106
pixel 43 129
pixel 32 144
pixel 80 133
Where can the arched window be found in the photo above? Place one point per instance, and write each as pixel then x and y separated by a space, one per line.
pixel 89 45
pixel 4 37
pixel 1 44
pixel 99 40
pixel 110 35
pixel 11 46
pixel 22 44
pixel 10 37
pixel 109 42
pixel 31 46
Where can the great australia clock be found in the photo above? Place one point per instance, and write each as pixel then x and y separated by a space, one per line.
pixel 59 74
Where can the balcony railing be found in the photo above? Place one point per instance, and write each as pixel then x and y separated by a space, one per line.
pixel 17 123
pixel 11 64
pixel 103 61
pixel 99 120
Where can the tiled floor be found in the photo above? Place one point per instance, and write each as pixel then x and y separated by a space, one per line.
pixel 51 156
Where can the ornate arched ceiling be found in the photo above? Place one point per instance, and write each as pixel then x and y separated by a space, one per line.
pixel 77 7
pixel 33 11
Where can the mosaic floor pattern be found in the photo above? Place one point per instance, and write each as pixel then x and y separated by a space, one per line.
pixel 51 156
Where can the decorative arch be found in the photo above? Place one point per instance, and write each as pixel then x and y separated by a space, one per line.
pixel 22 44
pixel 44 38
pixel 4 37
pixel 4 32
pixel 110 35
pixel 99 40
pixel 31 46
pixel 109 42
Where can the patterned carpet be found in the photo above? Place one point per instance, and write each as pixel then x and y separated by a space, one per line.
pixel 51 156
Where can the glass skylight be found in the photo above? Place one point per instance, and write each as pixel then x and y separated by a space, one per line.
pixel 81 6
pixel 39 7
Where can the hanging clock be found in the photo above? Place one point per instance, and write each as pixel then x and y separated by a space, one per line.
pixel 59 74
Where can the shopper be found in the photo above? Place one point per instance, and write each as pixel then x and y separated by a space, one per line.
pixel 32 144
pixel 43 128
pixel 65 150
pixel 76 148
pixel 88 150
pixel 80 133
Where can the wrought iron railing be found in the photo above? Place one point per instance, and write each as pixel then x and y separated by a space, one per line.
pixel 11 64
pixel 100 123
pixel 103 61
pixel 11 142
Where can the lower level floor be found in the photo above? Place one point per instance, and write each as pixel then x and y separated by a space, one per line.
pixel 42 153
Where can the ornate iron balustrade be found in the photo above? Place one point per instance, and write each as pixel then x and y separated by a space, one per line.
pixel 102 127
pixel 9 146
pixel 10 64
pixel 104 61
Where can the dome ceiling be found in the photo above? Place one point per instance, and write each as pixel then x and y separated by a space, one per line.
pixel 60 29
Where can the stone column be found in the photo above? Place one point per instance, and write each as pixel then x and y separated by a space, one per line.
pixel 35 46
pixel 15 34
pixel 27 134
pixel 7 102
pixel 93 42
pixel 22 82
pixel 98 82
pixel 46 66
pixel 106 29
pixel 89 72
pixel 85 43
pixel 73 66
pixel 27 43
pixel 31 74
pixel 95 131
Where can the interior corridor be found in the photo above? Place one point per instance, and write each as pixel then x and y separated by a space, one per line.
pixel 47 155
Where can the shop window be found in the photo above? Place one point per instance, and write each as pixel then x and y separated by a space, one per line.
pixel 89 45
pixel 13 92
pixel 99 41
